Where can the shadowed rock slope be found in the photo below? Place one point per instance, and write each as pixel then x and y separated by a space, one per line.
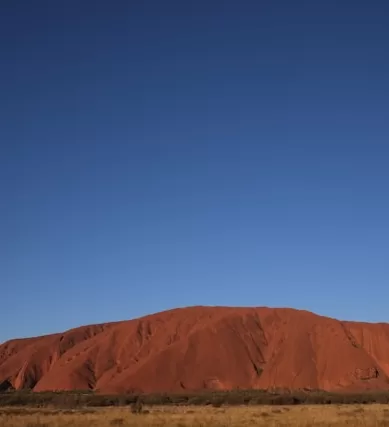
pixel 204 348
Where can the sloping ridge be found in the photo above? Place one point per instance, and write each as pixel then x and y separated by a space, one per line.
pixel 198 348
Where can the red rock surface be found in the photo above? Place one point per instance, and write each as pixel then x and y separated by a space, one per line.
pixel 204 348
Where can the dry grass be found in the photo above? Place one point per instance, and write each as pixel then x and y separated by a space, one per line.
pixel 184 416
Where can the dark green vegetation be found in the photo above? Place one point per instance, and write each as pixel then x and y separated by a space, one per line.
pixel 78 399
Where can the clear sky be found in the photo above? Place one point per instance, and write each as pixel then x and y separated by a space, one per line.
pixel 157 154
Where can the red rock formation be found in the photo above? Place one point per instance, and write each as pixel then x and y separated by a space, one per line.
pixel 204 347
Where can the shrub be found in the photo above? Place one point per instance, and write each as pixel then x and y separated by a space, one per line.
pixel 137 407
pixel 81 399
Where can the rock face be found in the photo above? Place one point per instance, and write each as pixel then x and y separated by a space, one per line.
pixel 204 348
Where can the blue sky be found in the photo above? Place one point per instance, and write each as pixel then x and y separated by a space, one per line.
pixel 161 154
